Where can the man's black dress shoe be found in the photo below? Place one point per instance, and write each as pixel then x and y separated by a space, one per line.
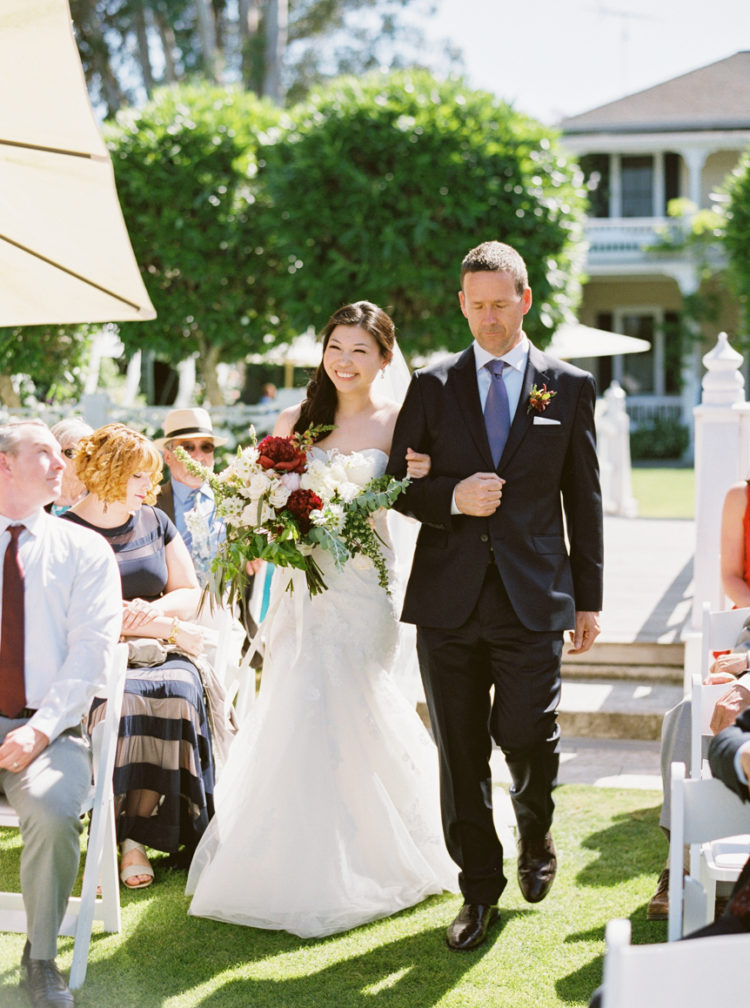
pixel 537 867
pixel 470 928
pixel 44 982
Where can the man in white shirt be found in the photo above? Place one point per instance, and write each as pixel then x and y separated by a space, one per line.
pixel 71 600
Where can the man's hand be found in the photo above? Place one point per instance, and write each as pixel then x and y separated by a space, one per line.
pixel 585 633
pixel 479 495
pixel 727 668
pixel 20 747
pixel 253 566
pixel 728 706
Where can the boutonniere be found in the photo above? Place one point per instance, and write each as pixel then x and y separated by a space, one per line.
pixel 539 399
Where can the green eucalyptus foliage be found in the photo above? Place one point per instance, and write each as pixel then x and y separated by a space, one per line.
pixel 186 173
pixel 382 184
pixel 737 237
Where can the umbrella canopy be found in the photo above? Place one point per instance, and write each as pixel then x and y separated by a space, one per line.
pixel 575 340
pixel 65 255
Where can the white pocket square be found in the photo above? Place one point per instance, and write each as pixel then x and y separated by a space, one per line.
pixel 545 420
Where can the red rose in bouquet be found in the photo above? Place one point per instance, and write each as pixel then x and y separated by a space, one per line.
pixel 282 454
pixel 300 504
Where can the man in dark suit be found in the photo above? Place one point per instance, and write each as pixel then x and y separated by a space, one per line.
pixel 493 585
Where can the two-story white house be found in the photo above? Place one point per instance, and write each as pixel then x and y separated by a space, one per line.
pixel 677 139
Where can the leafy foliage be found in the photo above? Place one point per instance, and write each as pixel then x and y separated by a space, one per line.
pixel 186 169
pixel 382 184
pixel 737 236
pixel 53 357
pixel 659 438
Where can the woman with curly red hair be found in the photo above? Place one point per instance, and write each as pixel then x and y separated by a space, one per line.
pixel 164 771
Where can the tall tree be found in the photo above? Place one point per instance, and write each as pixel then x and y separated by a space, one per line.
pixel 271 47
pixel 383 183
pixel 186 167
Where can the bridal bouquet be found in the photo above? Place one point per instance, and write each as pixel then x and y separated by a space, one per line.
pixel 278 502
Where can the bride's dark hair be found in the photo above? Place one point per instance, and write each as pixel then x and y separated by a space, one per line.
pixel 319 406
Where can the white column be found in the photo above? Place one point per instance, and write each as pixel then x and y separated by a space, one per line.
pixel 695 160
pixel 718 464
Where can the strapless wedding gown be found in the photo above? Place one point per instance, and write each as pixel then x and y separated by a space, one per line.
pixel 327 812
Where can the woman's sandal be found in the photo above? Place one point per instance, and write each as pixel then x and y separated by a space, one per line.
pixel 136 868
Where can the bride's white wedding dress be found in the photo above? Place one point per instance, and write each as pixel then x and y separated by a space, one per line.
pixel 327 812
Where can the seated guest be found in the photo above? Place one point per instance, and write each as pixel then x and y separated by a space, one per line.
pixel 675 735
pixel 164 770
pixel 187 499
pixel 61 615
pixel 68 433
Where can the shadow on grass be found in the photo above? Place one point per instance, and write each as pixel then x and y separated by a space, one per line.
pixel 171 959
pixel 632 845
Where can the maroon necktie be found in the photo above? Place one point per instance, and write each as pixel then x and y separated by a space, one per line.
pixel 12 680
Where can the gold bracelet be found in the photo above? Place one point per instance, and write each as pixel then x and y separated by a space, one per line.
pixel 172 639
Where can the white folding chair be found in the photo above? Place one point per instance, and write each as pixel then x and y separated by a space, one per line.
pixel 100 868
pixel 691 974
pixel 703 810
pixel 724 857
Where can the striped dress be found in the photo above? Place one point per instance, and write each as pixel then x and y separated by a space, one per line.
pixel 164 745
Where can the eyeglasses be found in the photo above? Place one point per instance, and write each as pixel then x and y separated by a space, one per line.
pixel 190 446
pixel 68 452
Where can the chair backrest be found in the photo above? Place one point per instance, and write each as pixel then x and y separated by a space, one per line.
pixel 692 974
pixel 721 628
pixel 703 699
pixel 702 810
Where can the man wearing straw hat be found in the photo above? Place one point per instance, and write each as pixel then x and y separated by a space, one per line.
pixel 187 499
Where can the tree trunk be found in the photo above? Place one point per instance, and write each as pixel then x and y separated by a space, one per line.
pixel 207 31
pixel 208 358
pixel 144 58
pixel 276 39
pixel 89 28
pixel 8 395
pixel 168 45
pixel 249 24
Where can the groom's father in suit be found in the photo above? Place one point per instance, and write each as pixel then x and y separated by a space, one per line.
pixel 493 586
pixel 60 616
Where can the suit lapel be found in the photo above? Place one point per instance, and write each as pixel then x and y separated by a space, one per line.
pixel 522 421
pixel 463 379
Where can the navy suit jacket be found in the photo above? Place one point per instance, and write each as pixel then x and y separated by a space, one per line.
pixel 548 468
pixel 722 750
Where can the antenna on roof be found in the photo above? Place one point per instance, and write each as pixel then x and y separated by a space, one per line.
pixel 626 17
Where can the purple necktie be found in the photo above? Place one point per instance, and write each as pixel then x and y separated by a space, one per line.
pixel 497 410
pixel 12 677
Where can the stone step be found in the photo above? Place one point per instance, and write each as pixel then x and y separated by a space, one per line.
pixel 611 708
pixel 634 661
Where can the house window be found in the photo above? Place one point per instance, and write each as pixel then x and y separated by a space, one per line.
pixel 596 170
pixel 637 181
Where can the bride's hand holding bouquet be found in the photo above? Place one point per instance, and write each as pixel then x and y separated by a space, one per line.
pixel 278 503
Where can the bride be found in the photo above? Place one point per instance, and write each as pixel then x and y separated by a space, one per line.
pixel 327 813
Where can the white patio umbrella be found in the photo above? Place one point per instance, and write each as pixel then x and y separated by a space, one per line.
pixel 572 340
pixel 65 255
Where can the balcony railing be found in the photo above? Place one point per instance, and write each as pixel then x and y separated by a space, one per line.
pixel 619 235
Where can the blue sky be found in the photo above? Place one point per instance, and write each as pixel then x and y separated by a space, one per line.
pixel 553 58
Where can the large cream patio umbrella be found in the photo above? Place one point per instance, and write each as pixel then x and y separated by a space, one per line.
pixel 65 255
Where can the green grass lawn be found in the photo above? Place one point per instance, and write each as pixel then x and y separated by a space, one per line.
pixel 664 492
pixel 610 850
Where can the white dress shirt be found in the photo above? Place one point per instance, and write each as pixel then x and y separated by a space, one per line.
pixel 512 376
pixel 72 616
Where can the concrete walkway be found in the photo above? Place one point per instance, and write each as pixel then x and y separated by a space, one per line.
pixel 648 588
pixel 648 579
